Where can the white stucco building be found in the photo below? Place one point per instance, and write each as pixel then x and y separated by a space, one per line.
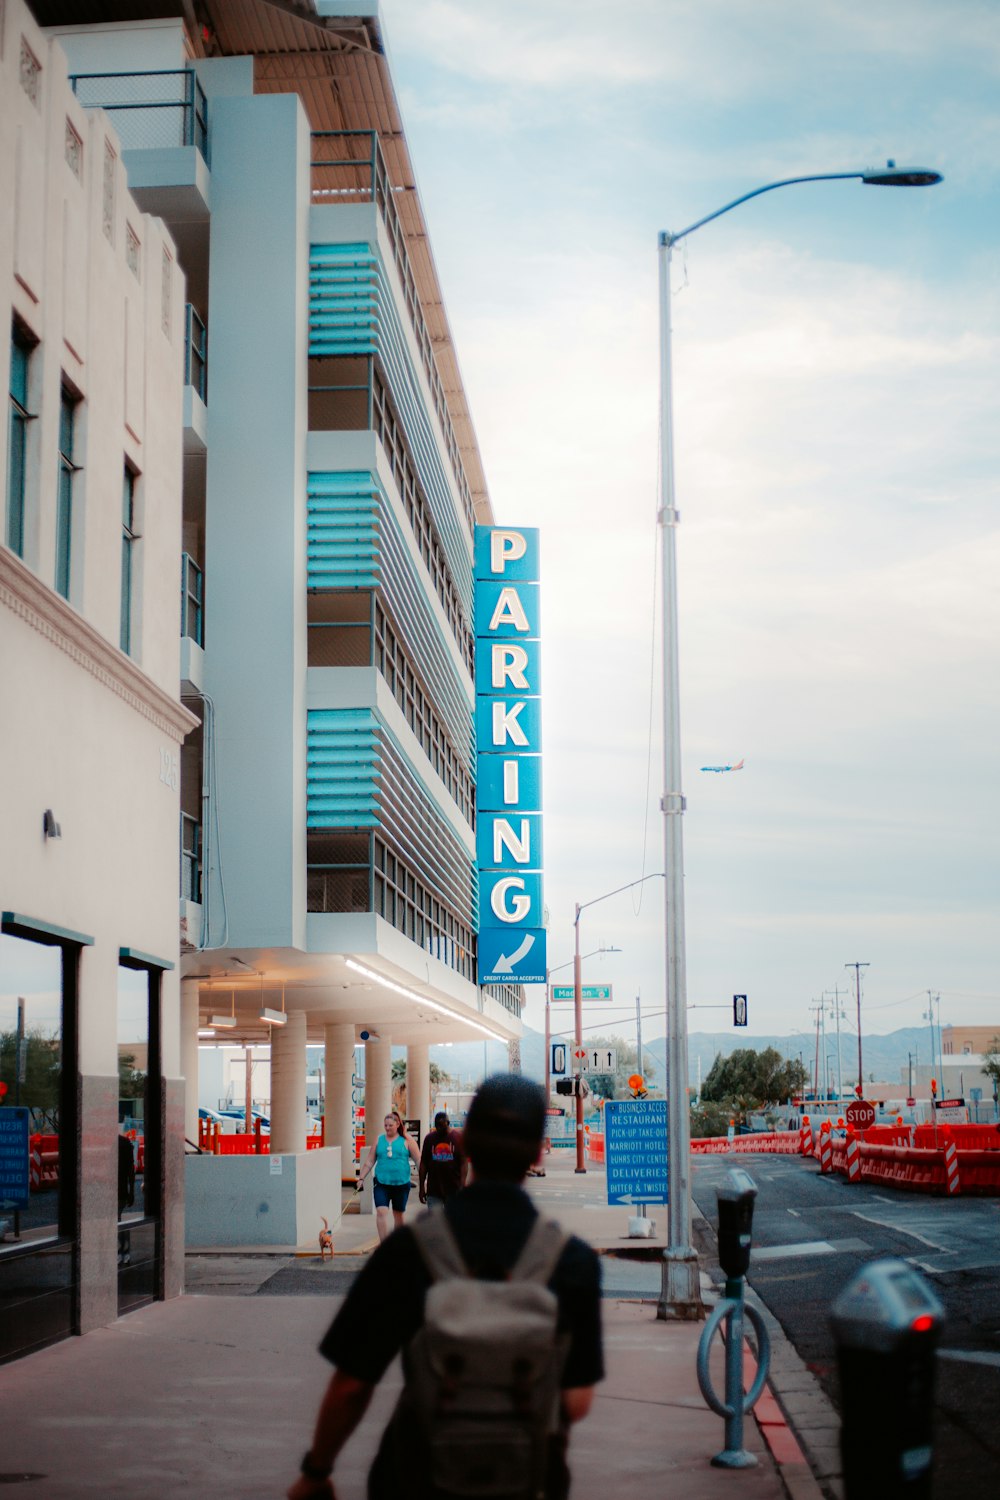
pixel 280 378
pixel 91 722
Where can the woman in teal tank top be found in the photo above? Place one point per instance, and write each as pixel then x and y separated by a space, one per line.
pixel 389 1158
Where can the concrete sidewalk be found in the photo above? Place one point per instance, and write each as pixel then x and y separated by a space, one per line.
pixel 216 1395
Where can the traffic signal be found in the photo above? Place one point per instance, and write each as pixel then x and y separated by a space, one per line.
pixel 574 1086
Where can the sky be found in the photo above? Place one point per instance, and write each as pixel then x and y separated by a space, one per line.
pixel 837 452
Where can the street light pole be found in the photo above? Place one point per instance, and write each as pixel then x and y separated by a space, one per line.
pixel 581 906
pixel 680 1295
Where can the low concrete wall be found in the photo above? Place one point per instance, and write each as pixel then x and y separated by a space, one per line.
pixel 260 1200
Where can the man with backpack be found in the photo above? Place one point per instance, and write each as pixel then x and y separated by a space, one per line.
pixel 497 1313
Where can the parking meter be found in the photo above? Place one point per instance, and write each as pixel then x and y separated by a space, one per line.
pixel 887 1323
pixel 735 1198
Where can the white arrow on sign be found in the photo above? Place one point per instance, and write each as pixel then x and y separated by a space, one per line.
pixel 507 962
pixel 602 1060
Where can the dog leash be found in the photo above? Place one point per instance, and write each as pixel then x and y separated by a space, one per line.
pixel 345 1207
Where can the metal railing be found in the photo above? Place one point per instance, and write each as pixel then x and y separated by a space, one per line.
pixel 192 599
pixel 348 167
pixel 190 858
pixel 165 108
pixel 195 352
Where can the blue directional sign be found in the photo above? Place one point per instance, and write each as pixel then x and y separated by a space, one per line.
pixel 516 956
pixel 15 1176
pixel 635 1150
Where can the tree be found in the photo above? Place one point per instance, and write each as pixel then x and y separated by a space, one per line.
pixel 43 1069
pixel 749 1081
pixel 131 1082
pixel 439 1080
pixel 991 1064
pixel 709 1119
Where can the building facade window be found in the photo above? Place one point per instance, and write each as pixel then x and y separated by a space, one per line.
pixel 68 404
pixel 39 1266
pixel 74 151
pixel 166 291
pixel 31 74
pixel 129 538
pixel 133 252
pixel 108 197
pixel 17 447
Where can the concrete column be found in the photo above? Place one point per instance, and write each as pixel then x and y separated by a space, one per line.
pixel 189 1056
pixel 378 1100
pixel 288 1085
pixel 338 1129
pixel 418 1084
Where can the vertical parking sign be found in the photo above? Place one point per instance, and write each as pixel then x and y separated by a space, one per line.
pixel 511 939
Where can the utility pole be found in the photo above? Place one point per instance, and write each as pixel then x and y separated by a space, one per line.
pixel 837 1013
pixel 817 1006
pixel 857 967
pixel 940 1047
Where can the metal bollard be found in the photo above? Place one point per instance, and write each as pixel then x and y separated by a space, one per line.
pixel 735 1200
pixel 887 1323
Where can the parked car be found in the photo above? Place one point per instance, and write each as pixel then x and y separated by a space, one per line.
pixel 239 1118
pixel 225 1122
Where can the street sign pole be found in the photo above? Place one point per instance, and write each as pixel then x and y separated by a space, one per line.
pixel 578 1037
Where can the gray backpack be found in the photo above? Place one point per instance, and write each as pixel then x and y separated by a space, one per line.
pixel 481 1400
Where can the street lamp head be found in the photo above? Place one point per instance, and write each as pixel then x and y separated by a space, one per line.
pixel 892 176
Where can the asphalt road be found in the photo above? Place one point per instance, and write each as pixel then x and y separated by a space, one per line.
pixel 811 1234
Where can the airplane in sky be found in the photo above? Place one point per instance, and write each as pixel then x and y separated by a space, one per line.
pixel 738 767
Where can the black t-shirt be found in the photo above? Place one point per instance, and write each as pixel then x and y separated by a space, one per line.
pixel 441 1158
pixel 491 1221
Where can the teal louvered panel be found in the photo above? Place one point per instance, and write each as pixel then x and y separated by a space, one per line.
pixel 343 769
pixel 346 508
pixel 352 311
pixel 342 531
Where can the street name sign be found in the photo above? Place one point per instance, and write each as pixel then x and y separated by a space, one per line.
pixel 635 1150
pixel 587 992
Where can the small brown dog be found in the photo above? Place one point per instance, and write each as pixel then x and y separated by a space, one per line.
pixel 325 1241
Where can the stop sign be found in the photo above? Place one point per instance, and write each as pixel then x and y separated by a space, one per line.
pixel 860 1114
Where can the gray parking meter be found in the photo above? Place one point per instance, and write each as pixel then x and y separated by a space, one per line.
pixel 736 1198
pixel 887 1323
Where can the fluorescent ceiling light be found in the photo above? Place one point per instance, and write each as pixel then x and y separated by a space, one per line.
pixel 273 1017
pixel 223 1023
pixel 206 1032
pixel 401 989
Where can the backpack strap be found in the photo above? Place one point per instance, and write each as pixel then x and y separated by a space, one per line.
pixel 438 1246
pixel 542 1249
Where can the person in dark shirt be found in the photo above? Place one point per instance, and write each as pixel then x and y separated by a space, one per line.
pixel 442 1163
pixel 491 1220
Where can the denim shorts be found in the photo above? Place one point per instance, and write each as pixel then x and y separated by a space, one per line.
pixel 392 1195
